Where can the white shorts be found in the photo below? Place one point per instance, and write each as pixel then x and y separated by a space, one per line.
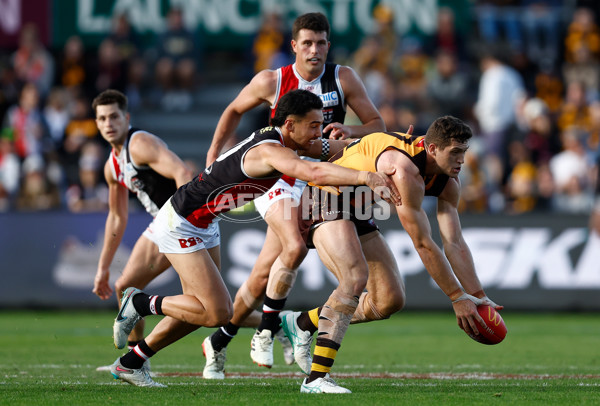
pixel 149 232
pixel 280 190
pixel 175 235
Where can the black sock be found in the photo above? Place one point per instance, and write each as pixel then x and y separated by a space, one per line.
pixel 146 304
pixel 135 358
pixel 221 338
pixel 131 344
pixel 305 323
pixel 270 317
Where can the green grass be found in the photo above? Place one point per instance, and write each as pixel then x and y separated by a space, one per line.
pixel 49 358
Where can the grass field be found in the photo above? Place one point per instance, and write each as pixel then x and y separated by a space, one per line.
pixel 412 359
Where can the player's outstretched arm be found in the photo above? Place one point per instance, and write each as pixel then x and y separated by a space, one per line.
pixel 261 89
pixel 455 247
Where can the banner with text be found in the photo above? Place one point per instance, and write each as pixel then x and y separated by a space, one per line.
pixel 534 262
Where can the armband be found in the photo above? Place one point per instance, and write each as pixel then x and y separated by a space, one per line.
pixel 324 149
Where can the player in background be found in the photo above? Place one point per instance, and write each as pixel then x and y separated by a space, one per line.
pixel 339 87
pixel 353 249
pixel 188 234
pixel 142 163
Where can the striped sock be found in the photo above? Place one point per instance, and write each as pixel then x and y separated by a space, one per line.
pixel 270 317
pixel 323 358
pixel 135 358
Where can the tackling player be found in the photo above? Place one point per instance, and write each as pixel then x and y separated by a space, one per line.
pixel 284 249
pixel 187 230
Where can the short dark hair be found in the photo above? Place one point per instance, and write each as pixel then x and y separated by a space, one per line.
pixel 445 129
pixel 316 22
pixel 295 103
pixel 110 96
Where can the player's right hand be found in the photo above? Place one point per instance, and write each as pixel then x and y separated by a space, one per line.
pixel 102 286
pixel 467 316
pixel 382 184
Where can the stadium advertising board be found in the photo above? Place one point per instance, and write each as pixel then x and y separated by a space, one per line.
pixel 230 24
pixel 524 262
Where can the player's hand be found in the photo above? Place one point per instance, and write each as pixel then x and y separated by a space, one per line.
pixel 102 286
pixel 486 300
pixel 384 187
pixel 337 131
pixel 467 317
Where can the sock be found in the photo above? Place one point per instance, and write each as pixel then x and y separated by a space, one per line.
pixel 270 317
pixel 131 344
pixel 146 305
pixel 135 358
pixel 220 338
pixel 309 321
pixel 323 358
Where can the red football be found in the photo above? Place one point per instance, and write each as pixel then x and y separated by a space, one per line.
pixel 495 330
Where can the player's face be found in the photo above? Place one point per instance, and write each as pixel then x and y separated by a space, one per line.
pixel 451 158
pixel 112 123
pixel 307 129
pixel 311 50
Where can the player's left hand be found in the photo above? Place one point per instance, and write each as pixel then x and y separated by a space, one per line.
pixel 337 131
pixel 486 300
pixel 467 316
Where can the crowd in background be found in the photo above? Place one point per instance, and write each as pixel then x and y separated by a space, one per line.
pixel 526 77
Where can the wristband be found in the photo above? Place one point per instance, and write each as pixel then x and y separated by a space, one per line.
pixel 324 149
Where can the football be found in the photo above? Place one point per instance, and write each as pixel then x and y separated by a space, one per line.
pixel 495 329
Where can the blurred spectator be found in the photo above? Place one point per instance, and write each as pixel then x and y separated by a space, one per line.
pixel 9 170
pixel 57 115
pixel 499 22
pixel 541 29
pixel 593 143
pixel 575 110
pixel 26 120
pixel 91 192
pixel 36 191
pixel 584 69
pixel 448 87
pixel 32 62
pixel 131 54
pixel 412 63
pixel 549 87
pixel 111 70
pixel 571 173
pixel 9 89
pixel 271 45
pixel 540 133
pixel 81 128
pixel 177 61
pixel 473 194
pixel 501 91
pixel 582 32
pixel 521 188
pixel 74 71
pixel 447 38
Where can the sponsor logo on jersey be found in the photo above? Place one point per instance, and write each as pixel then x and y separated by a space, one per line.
pixel 329 99
pixel 327 115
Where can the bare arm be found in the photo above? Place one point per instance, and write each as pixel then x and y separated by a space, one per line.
pixel 356 97
pixel 265 158
pixel 116 222
pixel 415 222
pixel 147 149
pixel 316 148
pixel 456 249
pixel 261 89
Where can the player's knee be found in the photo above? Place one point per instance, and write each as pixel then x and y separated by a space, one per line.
pixel 218 317
pixel 294 253
pixel 394 302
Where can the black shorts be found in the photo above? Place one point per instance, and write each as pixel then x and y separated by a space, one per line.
pixel 318 207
